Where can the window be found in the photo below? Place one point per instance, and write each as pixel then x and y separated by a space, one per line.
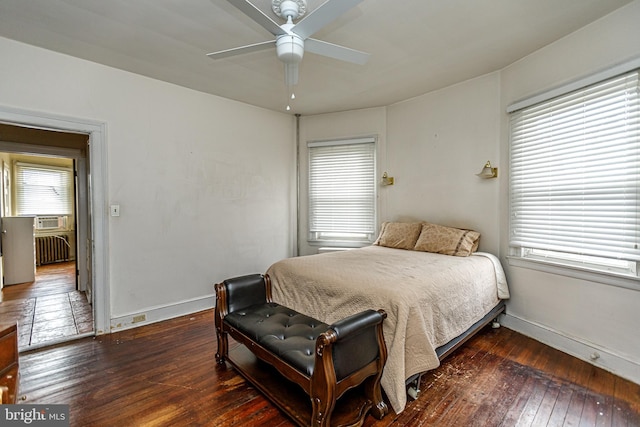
pixel 43 190
pixel 342 191
pixel 575 178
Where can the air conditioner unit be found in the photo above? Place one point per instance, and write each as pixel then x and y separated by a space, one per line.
pixel 51 222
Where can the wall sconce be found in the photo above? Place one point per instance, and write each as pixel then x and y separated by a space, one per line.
pixel 488 172
pixel 386 179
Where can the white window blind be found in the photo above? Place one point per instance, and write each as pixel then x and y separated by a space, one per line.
pixel 575 173
pixel 43 190
pixel 342 190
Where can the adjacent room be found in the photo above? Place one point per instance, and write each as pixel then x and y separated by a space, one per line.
pixel 442 195
pixel 44 213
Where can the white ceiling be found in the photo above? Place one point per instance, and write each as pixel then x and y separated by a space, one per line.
pixel 416 46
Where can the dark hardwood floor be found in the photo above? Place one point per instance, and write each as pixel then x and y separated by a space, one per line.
pixel 165 375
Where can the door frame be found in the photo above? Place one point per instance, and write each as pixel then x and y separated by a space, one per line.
pixel 97 197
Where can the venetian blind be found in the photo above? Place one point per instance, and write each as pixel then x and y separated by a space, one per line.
pixel 43 190
pixel 575 171
pixel 342 192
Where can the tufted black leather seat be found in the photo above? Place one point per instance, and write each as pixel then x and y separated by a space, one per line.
pixel 283 331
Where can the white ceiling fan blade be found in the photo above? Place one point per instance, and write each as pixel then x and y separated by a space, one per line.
pixel 335 51
pixel 240 50
pixel 325 13
pixel 257 15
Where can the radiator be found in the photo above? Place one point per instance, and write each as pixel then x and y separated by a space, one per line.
pixel 50 249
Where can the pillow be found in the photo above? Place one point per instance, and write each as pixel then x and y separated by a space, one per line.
pixel 447 240
pixel 399 235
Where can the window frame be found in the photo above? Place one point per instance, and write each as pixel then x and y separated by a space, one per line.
pixel 329 237
pixel 542 260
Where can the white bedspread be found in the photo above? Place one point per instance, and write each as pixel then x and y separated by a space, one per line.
pixel 429 299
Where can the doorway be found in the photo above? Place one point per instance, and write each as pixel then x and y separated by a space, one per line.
pixel 97 242
pixel 43 209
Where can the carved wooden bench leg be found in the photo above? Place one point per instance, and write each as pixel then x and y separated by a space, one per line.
pixel 223 347
pixel 374 393
pixel 372 387
pixel 221 335
pixel 323 381
pixel 322 408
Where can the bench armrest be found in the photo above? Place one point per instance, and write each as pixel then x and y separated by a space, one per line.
pixel 357 341
pixel 356 323
pixel 245 291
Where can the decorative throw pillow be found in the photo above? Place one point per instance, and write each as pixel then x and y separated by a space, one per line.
pixel 399 235
pixel 447 240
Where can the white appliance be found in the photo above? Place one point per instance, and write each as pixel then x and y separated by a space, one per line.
pixel 18 249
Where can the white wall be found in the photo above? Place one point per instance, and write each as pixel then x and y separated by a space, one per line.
pixel 436 144
pixel 430 153
pixel 202 195
pixel 350 124
pixel 578 316
pixel 433 146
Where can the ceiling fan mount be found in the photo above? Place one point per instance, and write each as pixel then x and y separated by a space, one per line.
pixel 292 40
pixel 289 8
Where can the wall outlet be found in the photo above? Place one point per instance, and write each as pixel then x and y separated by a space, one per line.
pixel 139 318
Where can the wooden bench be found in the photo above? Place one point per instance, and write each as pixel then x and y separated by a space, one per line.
pixel 338 366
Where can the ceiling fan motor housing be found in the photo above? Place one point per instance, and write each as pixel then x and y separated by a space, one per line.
pixel 290 48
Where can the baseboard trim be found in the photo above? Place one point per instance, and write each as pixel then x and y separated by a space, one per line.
pixel 163 312
pixel 591 353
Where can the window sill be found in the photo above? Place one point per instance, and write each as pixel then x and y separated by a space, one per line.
pixel 606 278
pixel 338 243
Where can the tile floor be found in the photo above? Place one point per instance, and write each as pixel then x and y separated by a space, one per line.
pixel 47 310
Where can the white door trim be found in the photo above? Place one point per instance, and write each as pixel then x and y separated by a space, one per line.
pixel 98 192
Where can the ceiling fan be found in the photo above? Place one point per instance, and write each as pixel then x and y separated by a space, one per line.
pixel 293 39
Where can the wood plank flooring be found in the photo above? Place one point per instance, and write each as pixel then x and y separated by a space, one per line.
pixel 49 309
pixel 165 374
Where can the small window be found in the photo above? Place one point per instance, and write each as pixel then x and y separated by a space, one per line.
pixel 342 191
pixel 575 178
pixel 43 190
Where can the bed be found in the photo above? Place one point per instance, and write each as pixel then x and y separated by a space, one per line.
pixel 434 287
